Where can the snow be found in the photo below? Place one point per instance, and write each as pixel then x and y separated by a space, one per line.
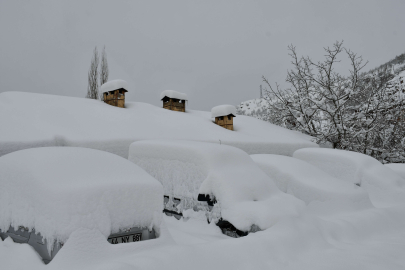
pixel 385 187
pixel 339 232
pixel 246 195
pixel 328 235
pixel 307 182
pixel 173 94
pixel 35 120
pixel 399 168
pixel 56 190
pixel 223 110
pixel 114 85
pixel 255 107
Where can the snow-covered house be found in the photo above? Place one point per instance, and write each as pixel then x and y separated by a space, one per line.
pixel 114 92
pixel 224 115
pixel 173 100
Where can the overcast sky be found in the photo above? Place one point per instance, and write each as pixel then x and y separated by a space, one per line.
pixel 215 51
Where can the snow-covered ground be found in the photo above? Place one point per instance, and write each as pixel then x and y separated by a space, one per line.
pixel 332 235
pixel 35 120
pixel 353 216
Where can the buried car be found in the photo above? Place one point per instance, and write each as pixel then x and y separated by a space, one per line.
pixel 219 179
pixel 48 193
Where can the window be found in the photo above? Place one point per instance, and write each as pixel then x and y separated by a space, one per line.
pixel 229 117
pixel 221 118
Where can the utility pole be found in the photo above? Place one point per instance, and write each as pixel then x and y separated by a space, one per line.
pixel 261 93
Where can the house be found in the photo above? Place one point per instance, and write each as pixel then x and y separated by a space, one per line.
pixel 224 115
pixel 173 100
pixel 114 92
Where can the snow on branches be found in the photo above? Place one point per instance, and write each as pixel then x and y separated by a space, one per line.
pixel 359 112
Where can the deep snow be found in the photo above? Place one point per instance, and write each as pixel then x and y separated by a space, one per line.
pixel 246 196
pixel 328 235
pixel 35 120
pixel 57 190
pixel 307 182
pixel 384 186
pixel 337 233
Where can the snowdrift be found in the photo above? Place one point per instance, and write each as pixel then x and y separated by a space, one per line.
pixel 35 120
pixel 56 190
pixel 399 168
pixel 385 187
pixel 246 196
pixel 307 182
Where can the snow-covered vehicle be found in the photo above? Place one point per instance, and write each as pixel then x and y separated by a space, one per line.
pixel 307 182
pixel 384 186
pixel 222 180
pixel 48 193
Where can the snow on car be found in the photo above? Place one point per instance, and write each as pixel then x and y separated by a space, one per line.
pixel 243 197
pixel 384 186
pixel 307 182
pixel 399 168
pixel 48 193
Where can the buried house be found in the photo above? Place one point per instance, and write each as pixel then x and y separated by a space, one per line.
pixel 114 92
pixel 173 100
pixel 224 115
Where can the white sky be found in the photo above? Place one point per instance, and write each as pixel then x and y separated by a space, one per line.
pixel 215 51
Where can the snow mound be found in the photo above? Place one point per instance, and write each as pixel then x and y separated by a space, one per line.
pixel 173 94
pixel 305 181
pixel 56 190
pixel 223 110
pixel 399 168
pixel 35 120
pixel 385 187
pixel 114 85
pixel 246 196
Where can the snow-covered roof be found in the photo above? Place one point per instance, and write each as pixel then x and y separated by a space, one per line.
pixel 223 110
pixel 57 190
pixel 35 120
pixel 114 85
pixel 245 193
pixel 173 94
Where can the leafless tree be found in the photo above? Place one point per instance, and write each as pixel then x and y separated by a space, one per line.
pixel 362 112
pixel 103 68
pixel 92 87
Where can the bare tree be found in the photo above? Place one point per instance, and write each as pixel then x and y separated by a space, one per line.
pixel 359 112
pixel 92 88
pixel 103 68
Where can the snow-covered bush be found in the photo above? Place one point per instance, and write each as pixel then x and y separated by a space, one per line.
pixel 384 186
pixel 245 195
pixel 306 181
pixel 57 190
pixel 361 112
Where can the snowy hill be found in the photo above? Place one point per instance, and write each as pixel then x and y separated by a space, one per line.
pixel 35 120
pixel 255 107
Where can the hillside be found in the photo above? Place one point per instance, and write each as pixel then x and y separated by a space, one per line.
pixel 396 67
pixel 35 120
